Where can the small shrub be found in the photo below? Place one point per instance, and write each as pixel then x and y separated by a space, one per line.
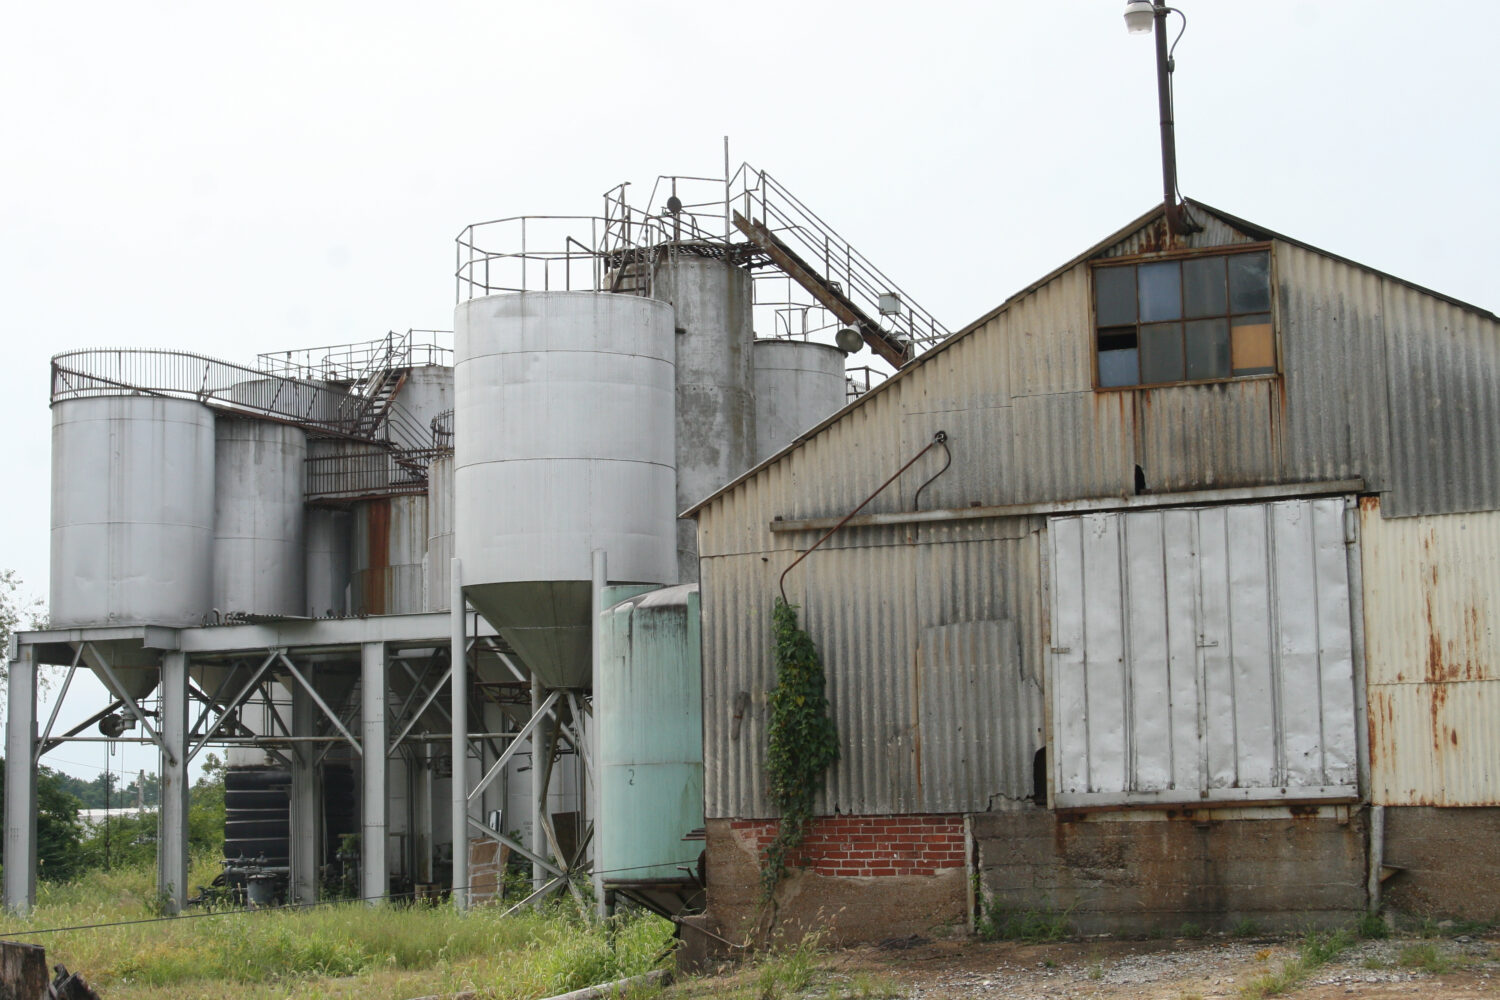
pixel 1372 927
pixel 1246 928
pixel 1032 926
pixel 1190 930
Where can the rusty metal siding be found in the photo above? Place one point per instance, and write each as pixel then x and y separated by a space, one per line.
pixel 1378 381
pixel 1152 237
pixel 1444 402
pixel 1202 654
pixel 1432 654
pixel 931 653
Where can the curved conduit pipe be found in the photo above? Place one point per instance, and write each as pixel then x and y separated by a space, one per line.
pixel 940 439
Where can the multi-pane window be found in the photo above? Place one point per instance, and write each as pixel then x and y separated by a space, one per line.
pixel 1183 320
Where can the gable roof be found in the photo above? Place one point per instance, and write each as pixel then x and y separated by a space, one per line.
pixel 1157 215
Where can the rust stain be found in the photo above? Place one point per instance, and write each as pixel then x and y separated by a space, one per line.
pixel 378 547
pixel 1369 504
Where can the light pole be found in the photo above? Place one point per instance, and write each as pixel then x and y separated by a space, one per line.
pixel 1151 15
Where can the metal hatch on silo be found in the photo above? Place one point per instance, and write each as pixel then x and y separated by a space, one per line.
pixel 648 697
pixel 566 401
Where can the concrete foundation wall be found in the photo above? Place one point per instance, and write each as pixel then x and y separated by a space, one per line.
pixel 1448 862
pixel 929 898
pixel 1142 872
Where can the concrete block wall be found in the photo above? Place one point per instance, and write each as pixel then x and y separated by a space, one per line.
pixel 1445 863
pixel 1142 872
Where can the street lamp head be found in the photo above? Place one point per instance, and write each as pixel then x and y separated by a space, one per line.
pixel 1140 16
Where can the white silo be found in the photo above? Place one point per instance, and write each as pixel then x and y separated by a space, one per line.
pixel 132 511
pixel 566 431
pixel 438 593
pixel 713 306
pixel 387 547
pixel 798 384
pixel 260 474
pixel 326 557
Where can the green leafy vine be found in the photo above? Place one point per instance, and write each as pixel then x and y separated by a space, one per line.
pixel 802 742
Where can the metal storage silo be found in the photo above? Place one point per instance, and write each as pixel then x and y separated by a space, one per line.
pixel 260 473
pixel 797 385
pixel 426 391
pixel 713 303
pixel 566 400
pixel 388 544
pixel 439 592
pixel 650 775
pixel 132 511
pixel 326 557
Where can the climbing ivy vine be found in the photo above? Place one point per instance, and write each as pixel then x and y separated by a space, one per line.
pixel 802 742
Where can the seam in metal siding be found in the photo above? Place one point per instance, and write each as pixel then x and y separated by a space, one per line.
pixel 1202 653
pixel 1432 652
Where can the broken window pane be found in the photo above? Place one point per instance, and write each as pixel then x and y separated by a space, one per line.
pixel 1250 282
pixel 1203 287
pixel 1208 348
pixel 1161 353
pixel 1114 296
pixel 1118 364
pixel 1160 291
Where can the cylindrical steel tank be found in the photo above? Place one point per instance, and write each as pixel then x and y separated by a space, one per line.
pixel 712 302
pixel 425 392
pixel 439 590
pixel 565 415
pixel 797 385
pixel 648 700
pixel 388 545
pixel 132 511
pixel 260 473
pixel 326 556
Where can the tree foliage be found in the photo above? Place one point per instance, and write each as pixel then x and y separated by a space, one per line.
pixel 802 742
pixel 59 835
pixel 17 613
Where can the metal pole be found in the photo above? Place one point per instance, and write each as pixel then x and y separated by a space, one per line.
pixel 538 791
pixel 1168 130
pixel 373 805
pixel 304 819
pixel 172 852
pixel 20 784
pixel 601 578
pixel 459 658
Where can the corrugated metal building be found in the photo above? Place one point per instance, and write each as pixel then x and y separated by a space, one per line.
pixel 1194 627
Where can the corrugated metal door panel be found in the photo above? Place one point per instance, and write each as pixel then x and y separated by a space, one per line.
pixel 966 673
pixel 1217 656
pixel 1103 653
pixel 1069 693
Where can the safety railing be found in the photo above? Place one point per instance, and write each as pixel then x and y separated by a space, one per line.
pixel 349 470
pixel 442 431
pixel 558 253
pixel 346 362
pixel 185 375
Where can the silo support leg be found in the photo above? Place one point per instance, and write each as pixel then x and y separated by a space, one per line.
pixel 172 853
pixel 373 805
pixel 20 785
pixel 304 832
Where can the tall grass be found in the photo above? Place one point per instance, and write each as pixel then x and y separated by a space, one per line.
pixel 344 950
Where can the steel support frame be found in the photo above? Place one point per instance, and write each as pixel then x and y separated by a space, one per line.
pixel 172 833
pixel 20 783
pixel 374 805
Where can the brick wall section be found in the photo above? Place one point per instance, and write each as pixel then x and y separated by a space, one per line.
pixel 868 845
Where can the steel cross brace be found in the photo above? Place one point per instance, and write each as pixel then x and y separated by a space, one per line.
pixel 91 653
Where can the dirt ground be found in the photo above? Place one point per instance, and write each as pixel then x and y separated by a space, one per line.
pixel 1206 969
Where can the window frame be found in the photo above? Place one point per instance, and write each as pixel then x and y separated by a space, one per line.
pixel 1135 260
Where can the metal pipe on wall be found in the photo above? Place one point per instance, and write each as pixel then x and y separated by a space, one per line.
pixel 601 580
pixel 458 655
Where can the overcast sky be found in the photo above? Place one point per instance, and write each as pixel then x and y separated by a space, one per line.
pixel 230 179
